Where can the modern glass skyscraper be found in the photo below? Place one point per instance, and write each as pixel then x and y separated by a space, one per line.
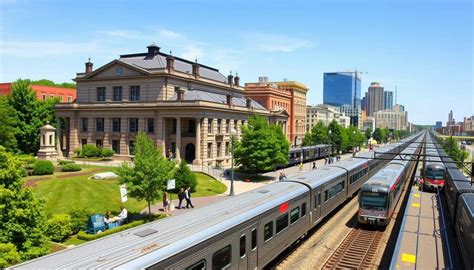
pixel 388 100
pixel 342 88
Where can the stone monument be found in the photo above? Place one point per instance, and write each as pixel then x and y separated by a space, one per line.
pixel 48 143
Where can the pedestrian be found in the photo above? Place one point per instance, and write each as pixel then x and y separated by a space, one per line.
pixel 325 161
pixel 314 165
pixel 283 178
pixel 187 194
pixel 280 178
pixel 300 167
pixel 166 201
pixel 181 197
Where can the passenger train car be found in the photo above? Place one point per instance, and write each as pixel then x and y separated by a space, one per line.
pixel 378 196
pixel 433 170
pixel 306 154
pixel 246 231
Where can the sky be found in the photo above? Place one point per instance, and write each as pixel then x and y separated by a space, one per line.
pixel 422 47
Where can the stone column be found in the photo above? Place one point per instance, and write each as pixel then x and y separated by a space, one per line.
pixel 178 139
pixel 197 158
pixel 59 137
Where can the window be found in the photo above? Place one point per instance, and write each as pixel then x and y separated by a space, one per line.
pixel 116 124
pixel 174 125
pixel 116 146
pixel 219 149
pixel 69 99
pixel 99 124
pixel 222 258
pixel 150 125
pixel 281 223
pixel 43 97
pixel 50 139
pixel 219 126
pixel 99 143
pixel 133 127
pixel 227 126
pixel 303 210
pixel 235 124
pixel 135 93
pixel 326 195
pixel 227 148
pixel 85 123
pixel 192 126
pixel 254 239
pixel 209 125
pixel 201 265
pixel 243 247
pixel 294 215
pixel 268 231
pixel 117 93
pixel 209 150
pixel 83 142
pixel 131 147
pixel 100 93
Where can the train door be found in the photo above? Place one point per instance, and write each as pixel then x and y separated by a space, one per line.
pixel 317 206
pixel 248 249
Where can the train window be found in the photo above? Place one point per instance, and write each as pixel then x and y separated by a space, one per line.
pixel 201 265
pixel 326 195
pixel 303 210
pixel 294 215
pixel 281 223
pixel 221 259
pixel 268 231
pixel 243 245
pixel 254 239
pixel 319 199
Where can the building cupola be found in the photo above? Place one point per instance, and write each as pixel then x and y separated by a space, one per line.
pixel 153 50
pixel 237 79
pixel 196 68
pixel 89 66
pixel 230 78
pixel 170 62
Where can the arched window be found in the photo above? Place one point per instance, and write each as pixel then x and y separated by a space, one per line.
pixel 51 139
pixel 44 140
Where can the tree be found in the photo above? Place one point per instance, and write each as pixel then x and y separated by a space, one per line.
pixel 320 134
pixel 368 133
pixel 185 177
pixel 378 135
pixel 8 124
pixel 22 217
pixel 335 136
pixel 147 177
pixel 307 139
pixel 51 83
pixel 262 147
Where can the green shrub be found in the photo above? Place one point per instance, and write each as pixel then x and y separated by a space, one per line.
pixel 185 177
pixel 90 150
pixel 64 161
pixel 43 167
pixel 79 217
pixel 27 159
pixel 107 152
pixel 8 255
pixel 58 227
pixel 88 237
pixel 78 152
pixel 71 167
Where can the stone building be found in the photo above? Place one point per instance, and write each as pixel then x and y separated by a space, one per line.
pixel 285 97
pixel 392 119
pixel 189 109
pixel 325 113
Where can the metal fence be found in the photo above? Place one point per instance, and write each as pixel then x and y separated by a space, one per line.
pixel 214 172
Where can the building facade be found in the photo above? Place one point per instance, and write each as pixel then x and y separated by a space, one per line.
pixel 468 124
pixel 375 99
pixel 187 108
pixel 326 114
pixel 388 100
pixel 44 92
pixel 439 124
pixel 284 96
pixel 391 119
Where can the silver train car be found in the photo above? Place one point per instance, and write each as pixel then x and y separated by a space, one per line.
pixel 246 231
pixel 378 196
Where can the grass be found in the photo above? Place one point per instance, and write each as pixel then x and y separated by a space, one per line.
pixel 208 186
pixel 73 240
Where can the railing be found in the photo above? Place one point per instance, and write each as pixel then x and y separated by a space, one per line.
pixel 214 172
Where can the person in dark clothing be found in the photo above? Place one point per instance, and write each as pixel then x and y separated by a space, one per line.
pixel 314 165
pixel 187 194
pixel 181 197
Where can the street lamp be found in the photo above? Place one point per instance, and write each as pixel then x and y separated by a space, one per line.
pixel 330 142
pixel 353 141
pixel 233 133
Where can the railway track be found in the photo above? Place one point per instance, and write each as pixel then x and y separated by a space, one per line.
pixel 357 250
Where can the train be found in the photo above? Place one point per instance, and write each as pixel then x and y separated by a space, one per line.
pixel 379 196
pixel 246 231
pixel 306 153
pixel 434 171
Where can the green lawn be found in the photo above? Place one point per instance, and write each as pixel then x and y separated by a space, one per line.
pixel 61 195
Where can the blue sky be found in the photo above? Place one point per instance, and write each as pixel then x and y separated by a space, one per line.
pixel 424 47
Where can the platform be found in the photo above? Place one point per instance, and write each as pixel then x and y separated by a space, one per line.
pixel 423 241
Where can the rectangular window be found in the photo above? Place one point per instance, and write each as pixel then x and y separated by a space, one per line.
pixel 150 125
pixel 135 93
pixel 174 125
pixel 43 97
pixel 201 265
pixel 99 124
pixel 227 126
pixel 254 239
pixel 219 149
pixel 326 195
pixel 281 223
pixel 209 125
pixel 222 258
pixel 100 93
pixel 99 143
pixel 268 231
pixel 85 124
pixel 219 126
pixel 83 142
pixel 117 93
pixel 69 99
pixel 116 146
pixel 243 246
pixel 303 210
pixel 209 150
pixel 294 215
pixel 227 149
pixel 192 126
pixel 133 125
pixel 131 147
pixel 116 124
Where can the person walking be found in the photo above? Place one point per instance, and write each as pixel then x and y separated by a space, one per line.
pixel 325 161
pixel 166 202
pixel 181 197
pixel 280 178
pixel 187 194
pixel 314 165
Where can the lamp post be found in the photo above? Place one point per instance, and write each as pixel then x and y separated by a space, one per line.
pixel 233 133
pixel 353 141
pixel 330 141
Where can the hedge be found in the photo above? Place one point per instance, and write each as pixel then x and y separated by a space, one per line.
pixel 71 167
pixel 88 237
pixel 64 162
pixel 58 227
pixel 79 217
pixel 89 151
pixel 43 167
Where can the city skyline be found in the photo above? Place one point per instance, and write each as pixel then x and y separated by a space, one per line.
pixel 407 49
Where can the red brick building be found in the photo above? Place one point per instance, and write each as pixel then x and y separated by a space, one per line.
pixel 66 95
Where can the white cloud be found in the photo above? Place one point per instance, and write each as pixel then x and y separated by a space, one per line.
pixel 192 52
pixel 164 33
pixel 276 43
pixel 34 49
